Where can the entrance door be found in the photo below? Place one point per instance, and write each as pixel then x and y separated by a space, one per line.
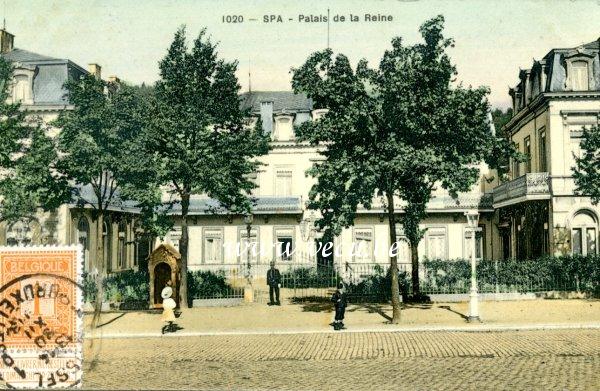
pixel 584 234
pixel 162 274
pixel 324 258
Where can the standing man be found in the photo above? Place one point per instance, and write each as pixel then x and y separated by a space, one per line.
pixel 339 302
pixel 274 282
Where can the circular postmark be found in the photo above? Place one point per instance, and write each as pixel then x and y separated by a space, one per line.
pixel 41 323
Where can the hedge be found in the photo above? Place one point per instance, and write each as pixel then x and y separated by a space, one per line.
pixel 133 286
pixel 563 273
pixel 207 284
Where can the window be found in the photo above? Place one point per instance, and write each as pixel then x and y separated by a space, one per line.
pixel 284 244
pixel 253 177
pixel 543 158
pixel 579 75
pixel 106 243
pixel 363 245
pixel 19 233
pixel 584 234
pixel 516 167
pixel 83 233
pixel 284 129
pixel 143 244
pixel 20 91
pixel 121 248
pixel 246 244
pixel 479 245
pixel 213 245
pixel 436 243
pixel 403 246
pixel 528 154
pixel 283 182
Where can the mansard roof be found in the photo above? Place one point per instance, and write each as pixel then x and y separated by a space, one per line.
pixel 20 55
pixel 50 75
pixel 283 101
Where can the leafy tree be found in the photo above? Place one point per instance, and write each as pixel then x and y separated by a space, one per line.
pixel 26 180
pixel 395 132
pixel 197 133
pixel 501 118
pixel 95 147
pixel 587 168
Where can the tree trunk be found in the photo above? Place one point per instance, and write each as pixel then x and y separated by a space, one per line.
pixel 414 258
pixel 183 249
pixel 393 261
pixel 100 265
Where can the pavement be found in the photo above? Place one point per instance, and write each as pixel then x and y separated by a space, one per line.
pixel 519 345
pixel 440 360
pixel 315 317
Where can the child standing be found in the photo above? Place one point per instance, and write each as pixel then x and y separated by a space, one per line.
pixel 339 302
pixel 168 305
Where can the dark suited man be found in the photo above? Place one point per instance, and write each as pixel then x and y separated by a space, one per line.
pixel 274 282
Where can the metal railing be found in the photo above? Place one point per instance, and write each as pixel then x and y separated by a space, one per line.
pixel 536 183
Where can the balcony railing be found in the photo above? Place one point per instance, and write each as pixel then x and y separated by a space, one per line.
pixel 527 187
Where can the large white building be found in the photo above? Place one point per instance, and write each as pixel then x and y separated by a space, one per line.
pixel 537 211
pixel 38 86
pixel 534 213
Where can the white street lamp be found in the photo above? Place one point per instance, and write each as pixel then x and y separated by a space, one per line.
pixel 248 219
pixel 248 289
pixel 472 221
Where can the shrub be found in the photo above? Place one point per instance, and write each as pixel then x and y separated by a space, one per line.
pixel 127 286
pixel 306 277
pixel 89 288
pixel 207 284
pixel 377 287
pixel 546 273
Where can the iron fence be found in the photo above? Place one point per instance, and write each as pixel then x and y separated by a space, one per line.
pixel 371 281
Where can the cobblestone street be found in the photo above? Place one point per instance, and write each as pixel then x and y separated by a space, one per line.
pixel 559 359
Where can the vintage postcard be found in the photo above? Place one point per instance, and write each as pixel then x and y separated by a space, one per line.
pixel 300 195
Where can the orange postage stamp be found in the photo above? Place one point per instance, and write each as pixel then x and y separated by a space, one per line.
pixel 40 316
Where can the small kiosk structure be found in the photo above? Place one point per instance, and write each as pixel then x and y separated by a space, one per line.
pixel 164 265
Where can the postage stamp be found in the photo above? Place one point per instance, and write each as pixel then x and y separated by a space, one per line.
pixel 41 317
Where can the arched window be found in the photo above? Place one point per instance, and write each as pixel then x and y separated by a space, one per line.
pixel 584 234
pixel 121 248
pixel 19 233
pixel 83 235
pixel 106 243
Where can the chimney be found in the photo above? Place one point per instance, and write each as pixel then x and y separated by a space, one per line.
pixel 6 41
pixel 95 70
pixel 266 116
pixel 114 79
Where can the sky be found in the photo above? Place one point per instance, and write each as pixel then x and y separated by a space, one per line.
pixel 493 39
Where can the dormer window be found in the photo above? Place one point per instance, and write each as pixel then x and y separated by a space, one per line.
pixel 21 90
pixel 284 128
pixel 579 76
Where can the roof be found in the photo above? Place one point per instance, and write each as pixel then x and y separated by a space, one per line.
pixel 265 205
pixel 593 45
pixel 165 247
pixel 87 196
pixel 20 55
pixel 50 75
pixel 282 101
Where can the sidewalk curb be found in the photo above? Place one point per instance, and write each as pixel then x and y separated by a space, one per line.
pixel 469 329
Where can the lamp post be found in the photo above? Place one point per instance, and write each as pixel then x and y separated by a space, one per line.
pixel 472 221
pixel 248 221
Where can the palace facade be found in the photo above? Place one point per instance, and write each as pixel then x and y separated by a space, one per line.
pixel 533 213
pixel 537 211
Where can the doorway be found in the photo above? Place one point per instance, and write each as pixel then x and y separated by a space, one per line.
pixel 162 274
